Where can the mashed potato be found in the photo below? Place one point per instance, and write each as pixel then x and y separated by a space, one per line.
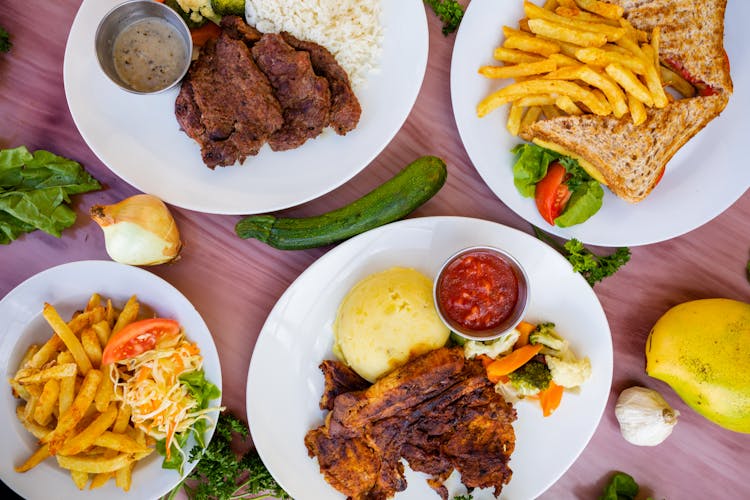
pixel 385 320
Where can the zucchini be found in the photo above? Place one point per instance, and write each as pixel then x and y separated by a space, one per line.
pixel 394 199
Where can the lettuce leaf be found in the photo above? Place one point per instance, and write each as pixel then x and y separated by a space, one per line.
pixel 35 192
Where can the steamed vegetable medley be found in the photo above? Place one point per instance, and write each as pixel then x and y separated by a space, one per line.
pixel 531 361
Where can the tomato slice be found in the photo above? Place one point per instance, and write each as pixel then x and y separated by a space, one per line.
pixel 138 337
pixel 551 193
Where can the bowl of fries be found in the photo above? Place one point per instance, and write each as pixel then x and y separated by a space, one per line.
pixel 63 425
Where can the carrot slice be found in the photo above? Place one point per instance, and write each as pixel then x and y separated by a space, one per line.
pixel 511 362
pixel 525 329
pixel 205 33
pixel 550 398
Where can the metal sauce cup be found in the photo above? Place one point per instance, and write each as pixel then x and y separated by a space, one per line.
pixel 124 15
pixel 510 321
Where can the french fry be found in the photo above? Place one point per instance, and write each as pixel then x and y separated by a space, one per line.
pixel 120 442
pixel 28 410
pixel 632 85
pixel 532 115
pixel 67 384
pixel 45 352
pixel 99 480
pixel 67 421
pixel 516 70
pixel 19 390
pixel 653 81
pixel 87 436
pixel 35 459
pixel 110 314
pixel 515 39
pixel 637 110
pixel 127 315
pixel 600 57
pixel 38 431
pixel 613 93
pixel 103 331
pixel 562 60
pixel 47 402
pixel 85 320
pixel 124 476
pixel 576 13
pixel 539 86
pixel 536 100
pixel 567 34
pixel 65 333
pixel 566 104
pixel 91 346
pixel 105 392
pixel 604 9
pixel 515 115
pixel 94 465
pixel 515 56
pixel 80 478
pixel 122 420
pixel 33 348
pixel 612 33
pixel 550 4
pixel 94 301
pixel 551 111
pixel 655 40
pixel 53 372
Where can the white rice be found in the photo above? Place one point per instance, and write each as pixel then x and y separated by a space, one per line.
pixel 350 29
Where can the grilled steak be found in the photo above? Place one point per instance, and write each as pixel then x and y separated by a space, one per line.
pixel 339 379
pixel 439 412
pixel 345 108
pixel 237 28
pixel 226 103
pixel 304 97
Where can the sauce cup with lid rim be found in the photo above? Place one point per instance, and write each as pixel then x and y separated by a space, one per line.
pixel 123 16
pixel 516 313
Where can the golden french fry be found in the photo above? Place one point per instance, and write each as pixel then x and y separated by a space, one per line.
pixel 94 301
pixel 67 421
pixel 532 115
pixel 45 352
pixel 613 93
pixel 606 106
pixel 87 436
pixel 515 39
pixel 653 80
pixel 535 100
pixel 581 15
pixel 123 419
pixel 540 86
pixel 550 4
pixel 47 402
pixel 604 9
pixel 514 118
pixel 33 348
pixel 124 476
pixel 516 70
pixel 515 56
pixel 105 392
pixel 53 372
pixel 566 104
pixel 99 480
pixel 94 465
pixel 67 384
pixel 600 57
pixel 612 33
pixel 127 315
pixel 655 40
pixel 677 82
pixel 103 331
pixel 66 334
pixel 91 346
pixel 119 442
pixel 567 34
pixel 28 411
pixel 80 478
pixel 35 459
pixel 632 85
pixel 110 314
pixel 85 320
pixel 637 110
pixel 562 60
pixel 551 112
pixel 38 431
pixel 19 390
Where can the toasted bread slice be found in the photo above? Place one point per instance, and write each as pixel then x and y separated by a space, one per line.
pixel 631 158
pixel 692 37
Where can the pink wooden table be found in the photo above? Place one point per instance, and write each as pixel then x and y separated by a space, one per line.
pixel 235 283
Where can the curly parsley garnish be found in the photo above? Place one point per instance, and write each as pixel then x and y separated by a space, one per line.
pixel 221 474
pixel 449 11
pixel 591 266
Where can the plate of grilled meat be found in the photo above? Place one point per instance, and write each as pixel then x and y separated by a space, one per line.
pixel 432 426
pixel 270 114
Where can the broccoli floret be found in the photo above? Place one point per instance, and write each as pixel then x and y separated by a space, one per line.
pixel 546 335
pixel 228 7
pixel 531 378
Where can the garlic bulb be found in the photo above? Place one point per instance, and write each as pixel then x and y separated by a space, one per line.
pixel 139 230
pixel 645 418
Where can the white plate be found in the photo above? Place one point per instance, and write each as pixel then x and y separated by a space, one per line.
pixel 702 180
pixel 68 287
pixel 139 139
pixel 285 384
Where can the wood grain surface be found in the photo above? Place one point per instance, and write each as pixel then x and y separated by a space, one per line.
pixel 234 283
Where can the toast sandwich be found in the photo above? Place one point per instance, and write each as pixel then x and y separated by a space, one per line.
pixel 630 159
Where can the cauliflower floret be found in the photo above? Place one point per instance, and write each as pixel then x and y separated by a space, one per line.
pixel 492 348
pixel 568 371
pixel 199 9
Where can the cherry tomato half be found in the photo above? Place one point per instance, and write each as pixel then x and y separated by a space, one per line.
pixel 138 337
pixel 551 193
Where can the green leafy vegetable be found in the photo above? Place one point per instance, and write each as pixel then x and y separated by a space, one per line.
pixel 35 191
pixel 202 391
pixel 591 266
pixel 531 166
pixel 221 474
pixel 449 11
pixel 468 496
pixel 5 43
pixel 621 486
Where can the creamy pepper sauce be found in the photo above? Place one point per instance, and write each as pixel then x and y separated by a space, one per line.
pixel 148 55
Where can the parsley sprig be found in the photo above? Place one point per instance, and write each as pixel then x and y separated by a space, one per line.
pixel 449 11
pixel 222 475
pixel 591 266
